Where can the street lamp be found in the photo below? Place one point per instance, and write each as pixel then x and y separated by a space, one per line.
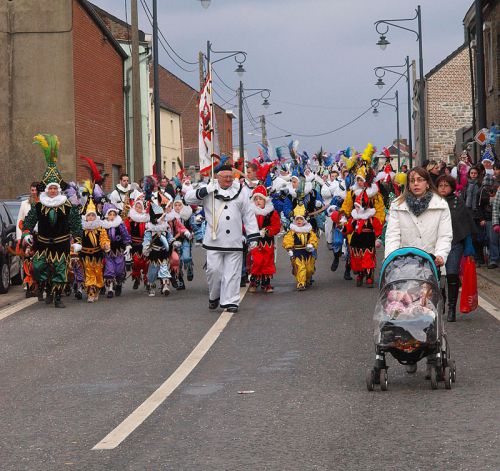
pixel 265 93
pixel 379 73
pixel 240 70
pixel 382 28
pixel 380 83
pixel 375 103
pixel 205 3
pixel 382 42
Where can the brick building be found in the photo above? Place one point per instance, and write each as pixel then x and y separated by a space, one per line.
pixel 491 42
pixel 448 103
pixel 61 72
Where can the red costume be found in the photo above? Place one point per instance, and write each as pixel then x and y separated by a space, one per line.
pixel 263 267
pixel 136 226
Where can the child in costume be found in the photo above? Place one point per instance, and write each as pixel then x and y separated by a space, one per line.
pixel 262 267
pixel 300 242
pixel 94 241
pixel 120 246
pixel 364 207
pixel 155 247
pixel 179 233
pixel 136 226
pixel 185 214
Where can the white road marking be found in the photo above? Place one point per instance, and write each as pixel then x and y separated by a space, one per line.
pixel 489 308
pixel 9 310
pixel 139 415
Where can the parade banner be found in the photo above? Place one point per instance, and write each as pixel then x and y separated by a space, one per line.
pixel 206 124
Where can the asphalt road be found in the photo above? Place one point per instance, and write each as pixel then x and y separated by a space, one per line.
pixel 69 377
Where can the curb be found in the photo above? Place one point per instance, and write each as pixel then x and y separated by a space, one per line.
pixel 488 286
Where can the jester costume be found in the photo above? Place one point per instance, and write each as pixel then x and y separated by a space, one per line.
pixel 136 226
pixel 301 242
pixel 262 267
pixel 365 210
pixel 57 221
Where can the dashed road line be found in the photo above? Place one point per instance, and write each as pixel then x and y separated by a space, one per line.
pixel 139 415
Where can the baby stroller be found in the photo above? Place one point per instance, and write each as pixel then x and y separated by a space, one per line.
pixel 408 319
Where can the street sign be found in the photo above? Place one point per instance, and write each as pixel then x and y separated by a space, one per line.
pixel 482 136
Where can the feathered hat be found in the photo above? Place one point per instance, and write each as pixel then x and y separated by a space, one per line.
pixel 49 143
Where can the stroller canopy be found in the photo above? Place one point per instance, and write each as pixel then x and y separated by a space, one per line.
pixel 408 263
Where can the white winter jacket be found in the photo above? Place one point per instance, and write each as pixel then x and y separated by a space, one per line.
pixel 431 231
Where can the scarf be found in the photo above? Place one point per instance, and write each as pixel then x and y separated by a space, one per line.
pixel 418 205
pixel 471 194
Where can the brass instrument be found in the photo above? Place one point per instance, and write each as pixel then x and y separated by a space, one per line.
pixel 126 205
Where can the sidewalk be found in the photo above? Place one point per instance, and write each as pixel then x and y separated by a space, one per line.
pixel 13 296
pixel 488 284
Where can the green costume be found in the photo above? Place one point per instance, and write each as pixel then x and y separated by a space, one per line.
pixel 57 221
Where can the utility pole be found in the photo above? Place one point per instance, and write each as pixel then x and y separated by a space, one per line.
pixel 398 143
pixel 421 86
pixel 480 79
pixel 156 91
pixel 410 112
pixel 264 131
pixel 137 158
pixel 240 118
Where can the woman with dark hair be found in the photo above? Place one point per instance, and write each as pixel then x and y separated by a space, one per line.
pixel 471 194
pixel 420 218
pixel 463 228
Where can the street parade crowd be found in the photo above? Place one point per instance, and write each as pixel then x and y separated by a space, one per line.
pixel 77 240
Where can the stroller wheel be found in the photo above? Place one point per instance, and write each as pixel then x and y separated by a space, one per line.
pixel 370 380
pixel 453 369
pixel 384 380
pixel 434 380
pixel 447 377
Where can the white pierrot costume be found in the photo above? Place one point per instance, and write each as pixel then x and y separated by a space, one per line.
pixel 233 210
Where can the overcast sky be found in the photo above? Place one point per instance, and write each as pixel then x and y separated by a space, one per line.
pixel 317 57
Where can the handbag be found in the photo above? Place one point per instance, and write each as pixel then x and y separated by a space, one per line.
pixel 469 296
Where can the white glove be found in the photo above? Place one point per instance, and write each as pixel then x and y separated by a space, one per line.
pixel 28 240
pixel 243 239
pixel 187 235
pixel 343 220
pixel 318 204
pixel 177 244
pixel 290 253
pixel 127 250
pixel 253 245
pixel 76 248
pixel 211 187
pixel 263 233
pixel 199 218
pixel 309 247
pixel 378 243
pixel 146 250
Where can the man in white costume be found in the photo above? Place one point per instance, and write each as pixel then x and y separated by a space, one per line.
pixel 223 239
pixel 119 194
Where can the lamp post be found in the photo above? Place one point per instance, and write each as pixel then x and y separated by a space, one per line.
pixel 375 103
pixel 382 27
pixel 265 93
pixel 380 73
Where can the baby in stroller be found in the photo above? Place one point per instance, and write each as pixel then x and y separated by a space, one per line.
pixel 408 320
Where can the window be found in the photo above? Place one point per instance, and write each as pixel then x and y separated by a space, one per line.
pixel 488 57
pixel 172 133
pixel 116 172
pixel 174 169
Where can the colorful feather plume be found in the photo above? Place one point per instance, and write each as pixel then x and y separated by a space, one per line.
pixel 95 174
pixel 368 153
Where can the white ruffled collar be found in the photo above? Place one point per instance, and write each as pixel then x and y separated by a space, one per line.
pixel 231 192
pixel 54 202
pixel 161 226
pixel 186 213
pixel 301 230
pixel 371 191
pixel 109 224
pixel 167 217
pixel 121 188
pixel 91 225
pixel 138 217
pixel 268 208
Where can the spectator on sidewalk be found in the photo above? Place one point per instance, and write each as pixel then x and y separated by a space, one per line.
pixel 25 209
pixel 471 194
pixel 493 226
pixel 463 228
